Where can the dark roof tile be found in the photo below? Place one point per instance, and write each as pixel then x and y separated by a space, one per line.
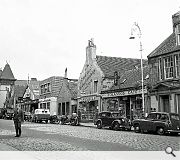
pixel 110 64
pixel 167 46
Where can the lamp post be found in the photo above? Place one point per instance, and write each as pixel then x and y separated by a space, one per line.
pixel 134 28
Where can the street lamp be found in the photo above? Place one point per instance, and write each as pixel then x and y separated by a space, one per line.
pixel 134 29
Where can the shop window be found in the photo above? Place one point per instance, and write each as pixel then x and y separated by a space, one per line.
pixel 41 106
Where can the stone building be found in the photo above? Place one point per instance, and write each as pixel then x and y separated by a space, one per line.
pixel 98 75
pixel 164 63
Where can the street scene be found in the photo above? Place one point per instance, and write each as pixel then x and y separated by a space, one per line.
pixel 91 77
pixel 57 137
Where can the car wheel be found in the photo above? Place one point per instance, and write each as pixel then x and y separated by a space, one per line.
pixel 116 126
pixel 99 125
pixel 137 128
pixel 160 131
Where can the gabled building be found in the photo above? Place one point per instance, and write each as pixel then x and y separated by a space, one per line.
pixel 7 81
pixel 98 75
pixel 67 98
pixel 164 64
pixel 30 97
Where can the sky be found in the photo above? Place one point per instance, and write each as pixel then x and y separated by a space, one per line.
pixel 40 38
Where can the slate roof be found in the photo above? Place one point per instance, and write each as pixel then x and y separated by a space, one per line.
pixel 167 46
pixel 132 78
pixel 111 64
pixel 7 73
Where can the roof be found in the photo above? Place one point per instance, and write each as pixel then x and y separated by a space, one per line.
pixel 21 85
pixel 19 90
pixel 132 78
pixel 167 46
pixel 111 64
pixel 7 73
pixel 73 89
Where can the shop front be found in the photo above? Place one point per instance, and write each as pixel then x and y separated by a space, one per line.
pixel 88 106
pixel 128 103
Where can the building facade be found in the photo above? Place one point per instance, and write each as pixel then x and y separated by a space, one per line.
pixel 126 96
pixel 49 91
pixel 164 64
pixel 98 75
pixel 67 97
pixel 30 98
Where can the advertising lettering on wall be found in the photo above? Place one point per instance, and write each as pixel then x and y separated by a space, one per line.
pixel 123 93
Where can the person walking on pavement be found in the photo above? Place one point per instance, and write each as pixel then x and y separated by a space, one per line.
pixel 18 119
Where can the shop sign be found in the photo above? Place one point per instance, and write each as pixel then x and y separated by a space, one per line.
pixel 123 93
pixel 87 99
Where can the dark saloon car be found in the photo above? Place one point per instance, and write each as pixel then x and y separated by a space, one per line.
pixel 112 120
pixel 158 122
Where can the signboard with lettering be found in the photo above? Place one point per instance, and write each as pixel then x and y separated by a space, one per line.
pixel 123 93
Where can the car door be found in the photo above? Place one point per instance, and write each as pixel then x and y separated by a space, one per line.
pixel 149 122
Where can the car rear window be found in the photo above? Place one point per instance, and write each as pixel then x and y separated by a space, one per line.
pixel 175 117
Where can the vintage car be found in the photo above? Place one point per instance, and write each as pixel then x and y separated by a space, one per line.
pixel 113 120
pixel 41 115
pixel 27 116
pixel 158 122
pixel 9 113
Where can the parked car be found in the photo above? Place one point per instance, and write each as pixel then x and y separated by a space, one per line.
pixel 159 122
pixel 70 119
pixel 41 115
pixel 112 120
pixel 27 116
pixel 54 119
pixel 9 113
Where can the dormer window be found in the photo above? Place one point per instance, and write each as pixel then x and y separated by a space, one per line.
pixel 177 32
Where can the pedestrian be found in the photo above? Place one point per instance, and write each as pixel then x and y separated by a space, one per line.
pixel 18 119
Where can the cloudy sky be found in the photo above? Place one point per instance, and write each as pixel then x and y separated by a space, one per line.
pixel 43 37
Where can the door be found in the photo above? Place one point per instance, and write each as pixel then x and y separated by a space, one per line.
pixel 166 103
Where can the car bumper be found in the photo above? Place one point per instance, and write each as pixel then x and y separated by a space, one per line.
pixel 173 131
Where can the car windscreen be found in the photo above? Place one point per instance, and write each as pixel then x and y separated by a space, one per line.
pixel 175 117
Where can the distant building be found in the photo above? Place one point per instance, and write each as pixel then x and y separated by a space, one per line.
pixel 49 91
pixel 164 64
pixel 67 97
pixel 27 95
pixel 7 81
pixel 98 75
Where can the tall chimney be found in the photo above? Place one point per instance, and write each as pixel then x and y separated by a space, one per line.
pixel 90 51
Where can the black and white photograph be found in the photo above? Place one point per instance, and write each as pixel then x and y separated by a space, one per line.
pixel 89 79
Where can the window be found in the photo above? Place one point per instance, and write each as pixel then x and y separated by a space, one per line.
pixel 160 69
pixel 95 86
pixel 48 105
pixel 177 32
pixel 177 65
pixel 168 67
